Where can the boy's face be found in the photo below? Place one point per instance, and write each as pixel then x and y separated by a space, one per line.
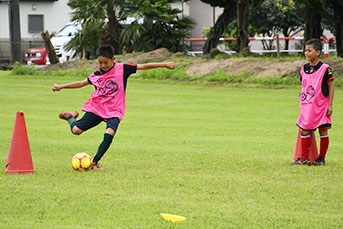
pixel 311 54
pixel 105 63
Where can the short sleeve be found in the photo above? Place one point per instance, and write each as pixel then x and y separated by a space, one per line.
pixel 89 81
pixel 89 78
pixel 129 69
pixel 328 75
pixel 326 78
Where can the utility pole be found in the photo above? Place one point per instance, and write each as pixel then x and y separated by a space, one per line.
pixel 15 37
pixel 277 46
pixel 214 15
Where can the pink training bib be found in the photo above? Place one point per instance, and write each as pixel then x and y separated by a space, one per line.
pixel 108 101
pixel 313 104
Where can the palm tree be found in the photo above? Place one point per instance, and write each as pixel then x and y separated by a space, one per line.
pixel 100 21
pixel 156 24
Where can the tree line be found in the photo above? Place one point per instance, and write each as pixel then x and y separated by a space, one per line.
pixel 155 24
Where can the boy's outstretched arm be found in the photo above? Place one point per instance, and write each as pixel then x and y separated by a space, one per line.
pixel 170 65
pixel 77 84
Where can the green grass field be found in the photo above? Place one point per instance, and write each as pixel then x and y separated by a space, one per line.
pixel 216 155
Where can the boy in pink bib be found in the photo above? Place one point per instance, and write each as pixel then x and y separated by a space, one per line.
pixel 107 102
pixel 315 101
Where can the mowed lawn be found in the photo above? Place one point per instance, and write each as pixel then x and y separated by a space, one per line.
pixel 216 155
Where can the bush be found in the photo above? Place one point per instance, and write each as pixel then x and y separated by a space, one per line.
pixel 162 73
pixel 223 77
pixel 270 80
pixel 19 69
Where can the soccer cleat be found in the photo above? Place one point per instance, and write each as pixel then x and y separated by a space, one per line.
pixel 301 161
pixel 96 166
pixel 67 114
pixel 319 161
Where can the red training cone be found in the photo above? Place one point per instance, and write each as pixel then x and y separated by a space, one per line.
pixel 313 148
pixel 19 156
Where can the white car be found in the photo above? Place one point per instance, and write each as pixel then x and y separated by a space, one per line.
pixel 61 39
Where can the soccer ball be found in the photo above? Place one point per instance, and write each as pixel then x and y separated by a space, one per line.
pixel 81 161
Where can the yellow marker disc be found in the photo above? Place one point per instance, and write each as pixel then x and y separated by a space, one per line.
pixel 173 218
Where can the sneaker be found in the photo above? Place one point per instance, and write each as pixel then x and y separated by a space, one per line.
pixel 67 114
pixel 301 161
pixel 96 166
pixel 319 161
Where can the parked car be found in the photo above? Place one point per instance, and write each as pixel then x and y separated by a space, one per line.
pixel 35 56
pixel 60 39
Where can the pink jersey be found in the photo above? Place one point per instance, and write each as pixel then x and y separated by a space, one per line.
pixel 108 100
pixel 313 104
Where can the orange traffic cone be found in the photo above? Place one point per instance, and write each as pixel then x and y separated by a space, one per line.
pixel 19 156
pixel 313 148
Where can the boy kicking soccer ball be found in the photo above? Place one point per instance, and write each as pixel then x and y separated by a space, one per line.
pixel 107 102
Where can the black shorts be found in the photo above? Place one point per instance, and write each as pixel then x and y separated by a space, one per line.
pixel 90 120
pixel 321 127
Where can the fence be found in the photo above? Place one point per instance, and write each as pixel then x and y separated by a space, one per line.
pixel 326 42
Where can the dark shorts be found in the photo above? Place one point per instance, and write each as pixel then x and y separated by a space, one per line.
pixel 90 120
pixel 322 127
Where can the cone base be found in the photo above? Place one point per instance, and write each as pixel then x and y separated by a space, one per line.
pixel 20 171
pixel 313 150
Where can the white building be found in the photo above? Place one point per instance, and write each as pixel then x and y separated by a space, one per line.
pixel 203 15
pixel 36 16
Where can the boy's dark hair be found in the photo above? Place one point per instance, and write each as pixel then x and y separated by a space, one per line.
pixel 315 43
pixel 105 51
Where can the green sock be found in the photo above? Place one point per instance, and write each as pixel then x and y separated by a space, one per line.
pixel 103 147
pixel 72 122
